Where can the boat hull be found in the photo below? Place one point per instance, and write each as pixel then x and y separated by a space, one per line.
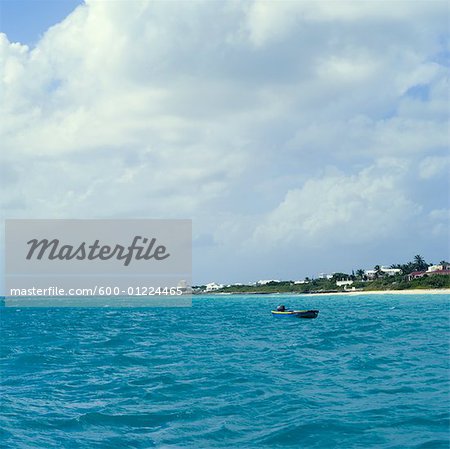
pixel 296 313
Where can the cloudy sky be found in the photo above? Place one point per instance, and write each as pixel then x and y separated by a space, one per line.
pixel 300 136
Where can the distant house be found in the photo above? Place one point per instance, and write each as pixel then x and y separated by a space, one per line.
pixel 372 274
pixel 344 282
pixel 212 286
pixel 415 275
pixel 184 286
pixel 267 281
pixel 434 268
pixel 439 271
pixel 391 271
pixel 301 282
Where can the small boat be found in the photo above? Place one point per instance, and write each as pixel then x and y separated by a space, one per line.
pixel 297 313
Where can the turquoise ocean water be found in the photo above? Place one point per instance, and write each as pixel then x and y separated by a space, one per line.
pixel 369 372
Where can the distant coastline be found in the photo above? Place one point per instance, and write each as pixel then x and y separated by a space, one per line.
pixel 417 291
pixel 416 275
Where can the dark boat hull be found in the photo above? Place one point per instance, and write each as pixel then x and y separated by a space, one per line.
pixel 296 313
pixel 308 314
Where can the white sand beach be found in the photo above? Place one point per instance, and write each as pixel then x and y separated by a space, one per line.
pixel 443 291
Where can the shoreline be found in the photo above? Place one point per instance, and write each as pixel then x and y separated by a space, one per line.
pixel 425 291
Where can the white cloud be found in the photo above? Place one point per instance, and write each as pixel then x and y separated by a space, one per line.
pixel 362 207
pixel 434 166
pixel 269 20
pixel 231 113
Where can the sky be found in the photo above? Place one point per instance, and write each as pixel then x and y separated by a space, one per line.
pixel 300 137
pixel 26 21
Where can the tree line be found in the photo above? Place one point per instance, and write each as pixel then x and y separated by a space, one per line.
pixel 417 264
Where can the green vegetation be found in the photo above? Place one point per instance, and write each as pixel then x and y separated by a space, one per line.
pixel 381 281
pixel 418 264
pixel 400 282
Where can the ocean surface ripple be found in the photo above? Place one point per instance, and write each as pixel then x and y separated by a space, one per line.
pixel 369 372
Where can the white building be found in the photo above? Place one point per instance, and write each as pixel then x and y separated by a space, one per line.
pixel 184 286
pixel 391 271
pixel 432 268
pixel 371 274
pixel 344 282
pixel 212 286
pixel 267 281
pixel 301 282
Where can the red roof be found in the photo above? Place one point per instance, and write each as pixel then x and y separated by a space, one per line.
pixel 421 273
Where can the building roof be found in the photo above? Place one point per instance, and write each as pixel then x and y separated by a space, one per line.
pixel 417 273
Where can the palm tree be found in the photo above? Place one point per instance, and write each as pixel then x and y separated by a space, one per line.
pixel 360 273
pixel 420 263
pixel 378 271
